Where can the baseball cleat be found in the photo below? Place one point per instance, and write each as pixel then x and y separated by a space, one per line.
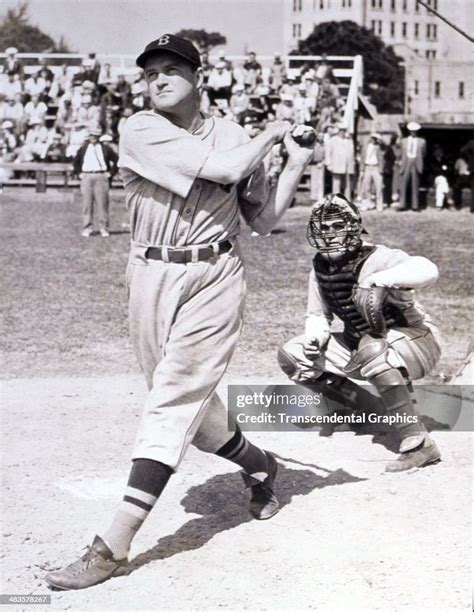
pixel 416 458
pixel 86 233
pixel 104 233
pixel 263 502
pixel 94 567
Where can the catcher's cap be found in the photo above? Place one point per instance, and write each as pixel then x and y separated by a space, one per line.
pixel 413 126
pixel 171 44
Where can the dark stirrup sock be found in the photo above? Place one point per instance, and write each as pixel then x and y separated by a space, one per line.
pixel 239 450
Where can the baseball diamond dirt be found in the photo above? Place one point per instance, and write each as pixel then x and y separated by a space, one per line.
pixel 348 535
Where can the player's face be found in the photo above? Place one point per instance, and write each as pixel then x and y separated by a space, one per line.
pixel 171 81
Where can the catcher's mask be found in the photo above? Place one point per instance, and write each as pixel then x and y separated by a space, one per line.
pixel 335 228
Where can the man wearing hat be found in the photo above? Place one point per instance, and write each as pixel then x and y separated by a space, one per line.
pixel 12 64
pixel 371 170
pixel 411 166
pixel 187 179
pixel 95 162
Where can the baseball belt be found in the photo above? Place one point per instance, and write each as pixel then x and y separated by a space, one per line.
pixel 189 254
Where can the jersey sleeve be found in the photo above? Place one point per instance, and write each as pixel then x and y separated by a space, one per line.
pixel 163 153
pixel 254 194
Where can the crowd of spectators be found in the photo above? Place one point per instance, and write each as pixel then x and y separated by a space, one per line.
pixel 46 114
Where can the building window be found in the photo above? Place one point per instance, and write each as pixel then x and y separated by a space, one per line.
pixel 297 5
pixel 461 89
pixel 434 32
pixel 437 89
pixel 380 4
pixel 392 5
pixel 380 28
pixel 321 4
pixel 417 30
pixel 417 7
pixel 435 5
pixel 392 29
pixel 404 29
pixel 415 88
pixel 405 6
pixel 374 4
pixel 297 30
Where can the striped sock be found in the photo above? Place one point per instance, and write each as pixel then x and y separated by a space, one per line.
pixel 251 459
pixel 146 482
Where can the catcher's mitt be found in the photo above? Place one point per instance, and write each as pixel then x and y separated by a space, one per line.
pixel 369 302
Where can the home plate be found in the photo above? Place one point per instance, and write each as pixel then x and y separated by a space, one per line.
pixel 92 487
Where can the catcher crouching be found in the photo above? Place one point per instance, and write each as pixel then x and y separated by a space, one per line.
pixel 387 338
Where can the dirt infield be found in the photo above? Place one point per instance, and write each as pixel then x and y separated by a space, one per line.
pixel 348 535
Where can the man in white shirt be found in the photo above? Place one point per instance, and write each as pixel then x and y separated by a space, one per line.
pixel 95 162
pixel 372 165
pixel 411 167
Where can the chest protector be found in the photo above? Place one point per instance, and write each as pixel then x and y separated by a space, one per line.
pixel 336 285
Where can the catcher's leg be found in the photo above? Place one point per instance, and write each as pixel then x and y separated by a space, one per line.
pixel 326 373
pixel 387 370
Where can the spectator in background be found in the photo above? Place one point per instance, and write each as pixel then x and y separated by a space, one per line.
pixel 219 85
pixel 285 110
pixel 56 150
pixel 289 87
pixel 90 89
pixel 95 68
pixel 66 114
pixel 36 86
pixel 441 188
pixel 324 69
pixel 462 179
pixel 36 142
pixel 206 67
pixel 312 87
pixel 411 167
pixel 126 113
pixel 123 89
pixel 252 72
pixel 87 71
pixel 77 135
pixel 239 103
pixel 328 94
pixel 8 140
pixel 304 105
pixel 15 112
pixel 88 114
pixel 35 110
pixel 259 107
pixel 339 159
pixel 11 86
pixel 221 57
pixel 372 168
pixel 13 65
pixel 95 162
pixel 105 75
pixel 467 153
pixel 277 73
pixel 44 72
pixel 389 159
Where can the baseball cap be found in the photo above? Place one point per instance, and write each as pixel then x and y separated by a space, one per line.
pixel 413 126
pixel 94 132
pixel 171 44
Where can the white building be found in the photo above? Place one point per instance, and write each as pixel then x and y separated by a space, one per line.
pixel 404 24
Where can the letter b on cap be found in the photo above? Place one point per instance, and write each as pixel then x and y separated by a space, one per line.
pixel 163 40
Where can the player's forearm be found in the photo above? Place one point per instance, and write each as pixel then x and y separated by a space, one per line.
pixel 281 196
pixel 230 167
pixel 413 273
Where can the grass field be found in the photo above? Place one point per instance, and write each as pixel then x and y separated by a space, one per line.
pixel 64 297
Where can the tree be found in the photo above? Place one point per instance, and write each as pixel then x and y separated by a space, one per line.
pixel 384 81
pixel 16 31
pixel 202 39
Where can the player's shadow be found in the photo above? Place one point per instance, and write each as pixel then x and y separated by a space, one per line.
pixel 222 503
